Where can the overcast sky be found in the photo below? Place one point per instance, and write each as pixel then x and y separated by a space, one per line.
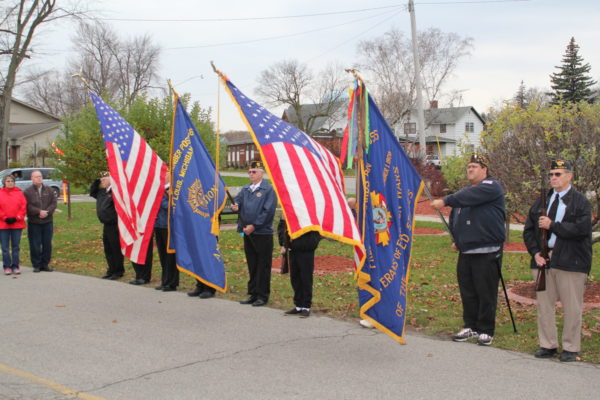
pixel 513 40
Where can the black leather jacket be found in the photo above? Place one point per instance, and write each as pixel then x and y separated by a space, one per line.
pixel 573 247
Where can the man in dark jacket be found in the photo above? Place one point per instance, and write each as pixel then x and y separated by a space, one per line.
pixel 170 274
pixel 477 226
pixel 256 203
pixel 107 214
pixel 569 225
pixel 41 204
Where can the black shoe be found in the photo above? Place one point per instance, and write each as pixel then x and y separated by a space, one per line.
pixel 161 287
pixel 543 352
pixel 568 356
pixel 249 300
pixel 138 282
pixel 259 303
pixel 46 269
pixel 106 276
pixel 206 295
pixel 168 289
pixel 115 277
pixel 36 269
pixel 304 313
pixel 293 311
pixel 195 293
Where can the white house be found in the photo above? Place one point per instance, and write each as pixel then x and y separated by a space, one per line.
pixel 30 130
pixel 445 129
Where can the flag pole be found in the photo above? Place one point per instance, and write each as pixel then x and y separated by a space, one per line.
pixel 215 227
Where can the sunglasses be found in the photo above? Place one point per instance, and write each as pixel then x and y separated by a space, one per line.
pixel 557 174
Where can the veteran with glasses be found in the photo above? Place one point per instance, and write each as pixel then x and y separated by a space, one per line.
pixel 569 226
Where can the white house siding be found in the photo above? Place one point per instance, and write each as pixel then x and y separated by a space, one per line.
pixel 19 114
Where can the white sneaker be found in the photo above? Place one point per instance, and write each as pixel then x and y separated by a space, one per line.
pixel 465 335
pixel 7 271
pixel 365 323
pixel 485 340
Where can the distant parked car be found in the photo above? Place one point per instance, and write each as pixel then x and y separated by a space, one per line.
pixel 433 159
pixel 23 178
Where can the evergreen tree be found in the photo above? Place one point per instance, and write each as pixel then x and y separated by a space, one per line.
pixel 572 82
pixel 521 97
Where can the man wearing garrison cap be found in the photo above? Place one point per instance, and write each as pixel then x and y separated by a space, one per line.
pixel 477 226
pixel 569 226
pixel 256 203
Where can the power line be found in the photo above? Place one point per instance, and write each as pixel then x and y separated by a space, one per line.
pixel 251 18
pixel 468 2
pixel 275 37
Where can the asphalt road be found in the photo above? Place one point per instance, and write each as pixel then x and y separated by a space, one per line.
pixel 65 336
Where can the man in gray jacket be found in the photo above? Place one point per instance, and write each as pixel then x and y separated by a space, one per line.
pixel 41 204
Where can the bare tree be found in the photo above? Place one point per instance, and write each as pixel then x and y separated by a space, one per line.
pixel 293 84
pixel 388 61
pixel 19 22
pixel 116 68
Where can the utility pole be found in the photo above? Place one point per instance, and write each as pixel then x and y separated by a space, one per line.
pixel 417 64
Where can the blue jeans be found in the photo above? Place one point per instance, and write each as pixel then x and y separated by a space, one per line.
pixel 40 243
pixel 10 237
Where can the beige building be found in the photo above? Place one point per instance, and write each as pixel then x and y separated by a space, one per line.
pixel 30 134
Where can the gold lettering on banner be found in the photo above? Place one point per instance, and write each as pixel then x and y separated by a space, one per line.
pixel 386 167
pixel 399 310
pixel 374 136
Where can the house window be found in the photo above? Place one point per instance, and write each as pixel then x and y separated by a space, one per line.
pixel 442 128
pixel 410 128
pixel 469 127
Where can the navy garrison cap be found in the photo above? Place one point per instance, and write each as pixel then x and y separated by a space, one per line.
pixel 479 159
pixel 561 164
pixel 257 165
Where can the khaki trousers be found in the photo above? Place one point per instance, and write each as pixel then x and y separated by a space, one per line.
pixel 568 287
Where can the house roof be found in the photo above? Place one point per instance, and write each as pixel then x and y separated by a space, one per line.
pixel 306 111
pixel 33 108
pixel 237 137
pixel 22 131
pixel 448 115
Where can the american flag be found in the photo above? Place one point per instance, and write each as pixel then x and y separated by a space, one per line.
pixel 138 180
pixel 306 176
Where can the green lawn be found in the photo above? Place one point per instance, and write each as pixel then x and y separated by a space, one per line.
pixel 434 306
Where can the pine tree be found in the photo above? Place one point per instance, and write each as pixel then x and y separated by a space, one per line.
pixel 521 97
pixel 572 82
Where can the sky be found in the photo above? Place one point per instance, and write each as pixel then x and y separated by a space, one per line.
pixel 513 41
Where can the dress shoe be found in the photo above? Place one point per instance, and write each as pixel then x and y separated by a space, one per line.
pixel 46 269
pixel 138 282
pixel 249 300
pixel 568 356
pixel 259 303
pixel 543 352
pixel 305 313
pixel 161 287
pixel 293 311
pixel 106 276
pixel 195 293
pixel 115 277
pixel 206 295
pixel 36 269
pixel 168 289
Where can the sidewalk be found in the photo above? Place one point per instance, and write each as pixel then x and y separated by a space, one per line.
pixel 110 340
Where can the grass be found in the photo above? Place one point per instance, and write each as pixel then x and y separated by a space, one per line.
pixel 434 306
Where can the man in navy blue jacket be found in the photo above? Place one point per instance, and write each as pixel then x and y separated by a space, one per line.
pixel 477 223
pixel 256 203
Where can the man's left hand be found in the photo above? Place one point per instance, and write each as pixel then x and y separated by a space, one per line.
pixel 43 214
pixel 545 222
pixel 248 229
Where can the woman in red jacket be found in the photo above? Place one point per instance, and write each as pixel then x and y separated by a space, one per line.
pixel 13 208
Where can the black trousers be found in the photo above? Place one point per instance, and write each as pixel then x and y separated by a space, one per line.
pixel 478 276
pixel 170 273
pixel 112 250
pixel 144 271
pixel 259 256
pixel 301 276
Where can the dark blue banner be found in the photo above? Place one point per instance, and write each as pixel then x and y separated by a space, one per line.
pixel 197 198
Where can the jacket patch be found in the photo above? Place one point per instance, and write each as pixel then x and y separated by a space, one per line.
pixel 488 181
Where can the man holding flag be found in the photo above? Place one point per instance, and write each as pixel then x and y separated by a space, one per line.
pixel 256 203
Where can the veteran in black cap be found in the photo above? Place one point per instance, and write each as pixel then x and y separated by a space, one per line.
pixel 256 203
pixel 107 214
pixel 477 226
pixel 569 226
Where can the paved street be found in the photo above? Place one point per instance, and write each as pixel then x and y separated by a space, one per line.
pixel 65 335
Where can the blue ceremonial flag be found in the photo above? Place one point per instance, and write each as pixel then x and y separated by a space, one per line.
pixel 195 203
pixel 389 190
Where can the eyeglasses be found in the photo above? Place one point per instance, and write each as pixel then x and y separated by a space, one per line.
pixel 557 174
pixel 253 172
